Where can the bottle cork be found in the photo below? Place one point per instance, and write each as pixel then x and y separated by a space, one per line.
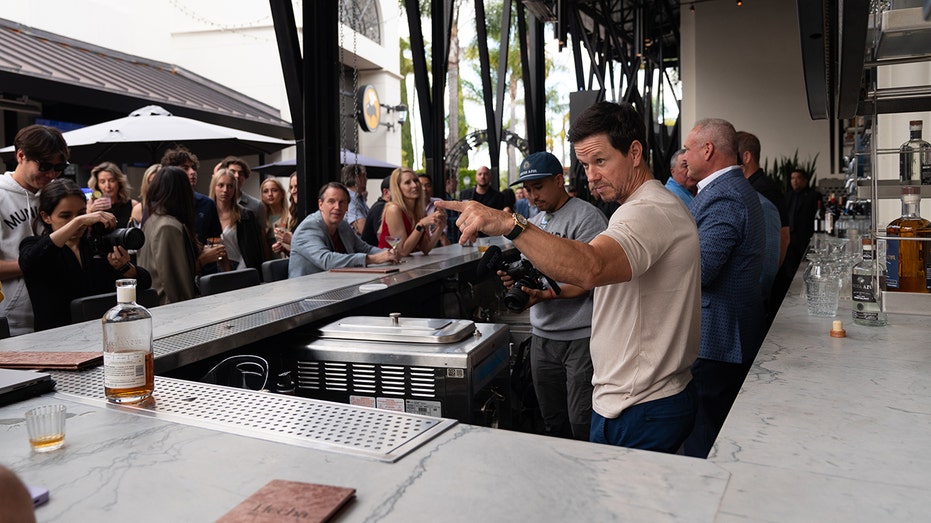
pixel 837 329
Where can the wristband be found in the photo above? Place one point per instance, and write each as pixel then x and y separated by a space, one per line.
pixel 125 268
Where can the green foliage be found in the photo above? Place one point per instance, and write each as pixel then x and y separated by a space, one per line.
pixel 783 166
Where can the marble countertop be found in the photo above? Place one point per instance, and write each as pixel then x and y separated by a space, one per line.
pixel 117 466
pixel 831 429
pixel 824 429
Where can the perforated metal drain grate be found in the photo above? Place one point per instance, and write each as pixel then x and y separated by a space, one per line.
pixel 378 434
pixel 230 327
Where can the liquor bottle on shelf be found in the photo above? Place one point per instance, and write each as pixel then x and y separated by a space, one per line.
pixel 907 261
pixel 915 157
pixel 866 309
pixel 128 360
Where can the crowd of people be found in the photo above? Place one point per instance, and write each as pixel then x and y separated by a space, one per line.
pixel 664 291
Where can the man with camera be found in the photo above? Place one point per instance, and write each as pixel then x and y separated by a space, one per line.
pixel 646 272
pixel 561 324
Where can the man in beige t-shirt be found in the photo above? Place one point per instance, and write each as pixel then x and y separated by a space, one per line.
pixel 646 272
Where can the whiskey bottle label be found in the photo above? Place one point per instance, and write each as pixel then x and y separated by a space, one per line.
pixel 122 370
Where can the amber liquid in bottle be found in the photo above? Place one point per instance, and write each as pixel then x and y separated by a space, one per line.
pixel 907 262
pixel 130 394
pixel 128 359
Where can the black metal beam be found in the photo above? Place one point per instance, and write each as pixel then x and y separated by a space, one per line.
pixel 492 127
pixel 852 30
pixel 435 156
pixel 321 102
pixel 421 76
pixel 494 146
pixel 812 33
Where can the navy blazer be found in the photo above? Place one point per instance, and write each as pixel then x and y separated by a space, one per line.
pixel 732 237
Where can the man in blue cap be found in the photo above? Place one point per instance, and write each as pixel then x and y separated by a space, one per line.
pixel 561 364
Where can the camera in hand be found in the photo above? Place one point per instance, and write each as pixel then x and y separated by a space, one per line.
pixel 102 240
pixel 520 270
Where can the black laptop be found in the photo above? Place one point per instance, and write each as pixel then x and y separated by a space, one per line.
pixel 17 385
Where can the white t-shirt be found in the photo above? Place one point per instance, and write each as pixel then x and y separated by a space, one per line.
pixel 645 332
pixel 18 207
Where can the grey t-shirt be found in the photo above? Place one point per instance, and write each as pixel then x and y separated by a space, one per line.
pixel 567 319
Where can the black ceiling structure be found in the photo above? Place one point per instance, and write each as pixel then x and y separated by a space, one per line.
pixel 619 37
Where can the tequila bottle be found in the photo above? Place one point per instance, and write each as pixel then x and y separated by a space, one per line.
pixel 866 310
pixel 915 157
pixel 128 360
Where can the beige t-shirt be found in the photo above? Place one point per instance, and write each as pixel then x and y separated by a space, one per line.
pixel 645 332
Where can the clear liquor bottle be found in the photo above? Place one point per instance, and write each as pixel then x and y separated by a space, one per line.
pixel 128 359
pixel 866 310
pixel 908 262
pixel 915 157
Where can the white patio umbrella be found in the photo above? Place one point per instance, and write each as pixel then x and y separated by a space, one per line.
pixel 146 133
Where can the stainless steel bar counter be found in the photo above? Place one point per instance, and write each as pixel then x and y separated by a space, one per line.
pixel 824 429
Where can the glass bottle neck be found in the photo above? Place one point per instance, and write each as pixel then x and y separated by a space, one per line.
pixel 915 134
pixel 911 209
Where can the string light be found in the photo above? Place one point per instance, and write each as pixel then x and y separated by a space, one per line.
pixel 692 7
pixel 740 3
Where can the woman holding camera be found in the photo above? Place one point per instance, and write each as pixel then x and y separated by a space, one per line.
pixel 64 263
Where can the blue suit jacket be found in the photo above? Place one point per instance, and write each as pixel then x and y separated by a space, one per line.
pixel 731 233
pixel 312 248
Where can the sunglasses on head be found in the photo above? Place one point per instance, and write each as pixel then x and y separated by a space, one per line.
pixel 48 166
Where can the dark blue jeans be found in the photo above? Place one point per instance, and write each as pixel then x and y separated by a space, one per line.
pixel 660 425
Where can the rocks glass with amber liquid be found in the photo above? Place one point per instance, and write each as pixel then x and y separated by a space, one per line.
pixel 907 261
pixel 128 361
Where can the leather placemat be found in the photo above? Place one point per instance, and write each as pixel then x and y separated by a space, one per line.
pixel 50 360
pixel 281 500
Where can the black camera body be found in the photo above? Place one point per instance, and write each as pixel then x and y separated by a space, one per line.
pixel 520 270
pixel 102 240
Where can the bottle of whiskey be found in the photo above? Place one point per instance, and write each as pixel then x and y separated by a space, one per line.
pixel 908 262
pixel 128 360
pixel 915 157
pixel 866 310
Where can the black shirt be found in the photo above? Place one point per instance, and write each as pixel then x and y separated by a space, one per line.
pixel 771 191
pixel 492 198
pixel 54 278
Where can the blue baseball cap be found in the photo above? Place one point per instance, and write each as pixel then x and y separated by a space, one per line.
pixel 537 166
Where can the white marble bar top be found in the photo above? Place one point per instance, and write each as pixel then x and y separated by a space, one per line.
pixel 832 429
pixel 824 429
pixel 117 466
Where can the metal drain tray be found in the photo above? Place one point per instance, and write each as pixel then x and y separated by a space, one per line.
pixel 345 429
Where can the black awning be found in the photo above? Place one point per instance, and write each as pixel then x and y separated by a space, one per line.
pixel 86 84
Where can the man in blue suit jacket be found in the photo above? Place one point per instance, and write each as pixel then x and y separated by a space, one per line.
pixel 731 233
pixel 324 241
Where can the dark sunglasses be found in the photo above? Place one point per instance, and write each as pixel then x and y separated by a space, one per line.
pixel 48 166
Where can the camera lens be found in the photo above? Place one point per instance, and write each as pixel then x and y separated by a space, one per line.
pixel 516 299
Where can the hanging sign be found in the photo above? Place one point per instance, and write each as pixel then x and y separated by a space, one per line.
pixel 368 108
